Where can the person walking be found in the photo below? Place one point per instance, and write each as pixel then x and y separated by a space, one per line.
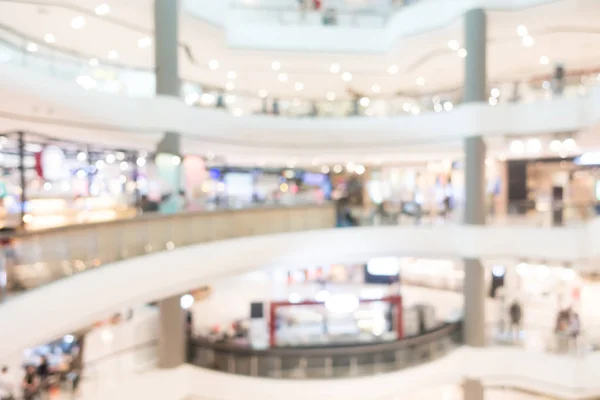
pixel 516 315
pixel 31 383
pixel 7 385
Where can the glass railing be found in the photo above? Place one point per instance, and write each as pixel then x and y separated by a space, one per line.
pixel 326 362
pixel 32 259
pixel 521 213
pixel 110 77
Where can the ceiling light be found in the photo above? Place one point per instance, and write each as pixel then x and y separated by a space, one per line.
pixel 544 60
pixel 527 41
pixel 276 65
pixel 364 101
pixel 555 145
pixel 493 101
pixel 448 106
pixel 453 45
pixel 420 81
pixel 213 64
pixel 325 169
pixel 334 68
pixel 415 110
pixel 569 144
pixel 263 93
pixel 517 146
pixel 282 77
pixel 330 96
pixel 144 42
pixel 102 9
pixel 231 75
pixel 113 55
pixel 360 169
pixel 32 47
pixel 229 86
pixel 49 38
pixel 495 92
pixel 299 86
pixel 78 22
pixel 546 85
pixel 438 107
pixel 406 107
pixel 393 69
pixel 338 169
pixel 346 76
pixel 522 30
pixel 533 146
pixel 93 62
pixel 462 53
pixel 376 89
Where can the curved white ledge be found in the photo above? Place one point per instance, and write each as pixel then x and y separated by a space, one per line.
pixel 565 377
pixel 257 28
pixel 64 306
pixel 67 111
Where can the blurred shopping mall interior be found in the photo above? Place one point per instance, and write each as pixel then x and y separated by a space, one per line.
pixel 299 199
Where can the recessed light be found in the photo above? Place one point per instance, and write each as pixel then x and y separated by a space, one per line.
pixel 229 86
pixel 527 41
pixel 462 53
pixel 517 146
pixel 376 89
pixel 275 65
pixel 544 60
pixel 113 55
pixel 49 38
pixel 102 9
pixel 364 101
pixel 555 145
pixel 522 30
pixel 346 76
pixel 393 69
pixel 495 92
pixel 32 47
pixel 299 86
pixel 421 81
pixel 493 101
pixel 282 77
pixel 78 22
pixel 93 62
pixel 415 110
pixel 213 64
pixel 144 42
pixel 569 144
pixel 330 96
pixel 448 106
pixel 454 45
pixel 263 93
pixel 438 107
pixel 334 68
pixel 231 75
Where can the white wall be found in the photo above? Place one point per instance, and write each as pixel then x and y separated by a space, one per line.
pixel 554 375
pixel 50 311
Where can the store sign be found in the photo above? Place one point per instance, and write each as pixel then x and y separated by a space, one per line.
pixel 384 266
pixel 50 163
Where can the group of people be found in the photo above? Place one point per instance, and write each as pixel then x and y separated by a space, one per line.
pixel 31 387
pixel 37 382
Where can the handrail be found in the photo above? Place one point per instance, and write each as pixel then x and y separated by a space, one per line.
pixel 36 258
pixel 327 362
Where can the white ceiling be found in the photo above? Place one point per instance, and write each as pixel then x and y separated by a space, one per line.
pixel 564 31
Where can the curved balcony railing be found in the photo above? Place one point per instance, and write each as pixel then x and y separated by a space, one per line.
pixel 110 77
pixel 32 259
pixel 327 362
